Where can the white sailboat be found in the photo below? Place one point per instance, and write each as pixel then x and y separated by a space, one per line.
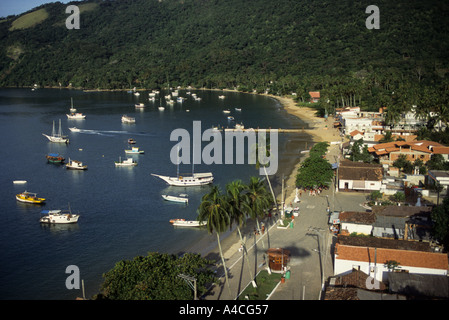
pixel 72 109
pixel 57 137
pixel 195 179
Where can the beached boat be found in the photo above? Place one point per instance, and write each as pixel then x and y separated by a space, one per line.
pixel 54 158
pixel 76 116
pixel 183 198
pixel 29 197
pixel 57 137
pixel 187 223
pixel 134 150
pixel 125 163
pixel 58 217
pixel 76 165
pixel 126 119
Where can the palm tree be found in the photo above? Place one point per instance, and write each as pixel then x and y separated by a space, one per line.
pixel 259 199
pixel 237 210
pixel 213 210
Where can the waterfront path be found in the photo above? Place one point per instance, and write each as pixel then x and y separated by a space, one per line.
pixel 309 242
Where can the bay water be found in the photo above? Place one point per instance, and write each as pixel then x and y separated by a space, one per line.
pixel 122 212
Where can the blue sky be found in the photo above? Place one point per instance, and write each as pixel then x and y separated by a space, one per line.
pixel 8 7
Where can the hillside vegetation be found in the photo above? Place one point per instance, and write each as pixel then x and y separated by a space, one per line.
pixel 284 45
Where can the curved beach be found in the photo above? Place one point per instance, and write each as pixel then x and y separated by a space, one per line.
pixel 319 129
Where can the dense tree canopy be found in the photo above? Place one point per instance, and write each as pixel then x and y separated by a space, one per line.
pixel 156 277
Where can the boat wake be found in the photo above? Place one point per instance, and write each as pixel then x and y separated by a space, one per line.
pixel 111 133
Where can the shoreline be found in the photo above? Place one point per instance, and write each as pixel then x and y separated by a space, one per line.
pixel 320 129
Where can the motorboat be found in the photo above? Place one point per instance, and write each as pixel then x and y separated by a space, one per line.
pixel 126 119
pixel 221 97
pixel 125 163
pixel 57 137
pixel 183 198
pixel 140 105
pixel 76 165
pixel 161 108
pixel 231 118
pixel 134 150
pixel 76 116
pixel 55 158
pixel 131 141
pixel 227 111
pixel 29 197
pixel 238 109
pixel 19 181
pixel 58 217
pixel 187 223
pixel 196 179
pixel 74 129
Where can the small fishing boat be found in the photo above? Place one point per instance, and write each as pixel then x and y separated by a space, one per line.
pixel 19 181
pixel 54 158
pixel 58 217
pixel 57 137
pixel 29 197
pixel 131 141
pixel 134 150
pixel 221 97
pixel 227 111
pixel 125 163
pixel 231 118
pixel 76 116
pixel 238 109
pixel 136 94
pixel 126 119
pixel 183 198
pixel 76 165
pixel 161 108
pixel 187 223
pixel 74 129
pixel 139 105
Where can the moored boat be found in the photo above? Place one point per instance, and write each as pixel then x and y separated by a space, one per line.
pixel 76 116
pixel 76 165
pixel 183 198
pixel 131 141
pixel 55 158
pixel 139 105
pixel 196 179
pixel 57 137
pixel 125 163
pixel 58 217
pixel 187 223
pixel 134 150
pixel 29 197
pixel 126 119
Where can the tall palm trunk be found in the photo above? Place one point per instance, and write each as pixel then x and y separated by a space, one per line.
pixel 224 263
pixel 245 252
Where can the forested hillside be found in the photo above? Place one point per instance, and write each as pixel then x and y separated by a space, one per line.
pixel 284 45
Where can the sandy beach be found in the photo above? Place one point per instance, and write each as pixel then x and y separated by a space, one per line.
pixel 321 130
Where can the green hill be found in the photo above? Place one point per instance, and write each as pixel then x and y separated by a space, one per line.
pixel 287 45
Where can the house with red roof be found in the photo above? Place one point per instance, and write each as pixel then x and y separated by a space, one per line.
pixel 373 256
pixel 314 96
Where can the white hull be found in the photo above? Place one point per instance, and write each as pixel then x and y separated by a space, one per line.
pixel 75 165
pixel 187 223
pixel 175 199
pixel 134 150
pixel 196 180
pixel 76 116
pixel 56 139
pixel 57 217
pixel 126 163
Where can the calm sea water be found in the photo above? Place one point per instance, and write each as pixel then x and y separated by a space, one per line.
pixel 122 212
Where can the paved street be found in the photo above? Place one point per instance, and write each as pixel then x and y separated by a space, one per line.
pixel 309 242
